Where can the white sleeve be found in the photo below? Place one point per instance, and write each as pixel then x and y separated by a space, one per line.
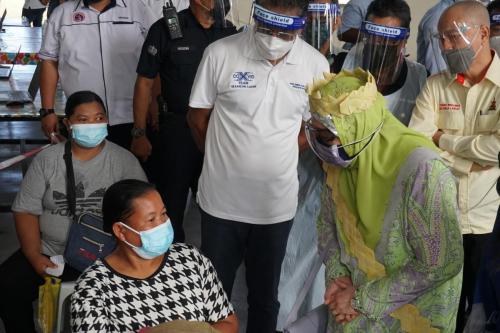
pixel 204 90
pixel 148 18
pixel 50 42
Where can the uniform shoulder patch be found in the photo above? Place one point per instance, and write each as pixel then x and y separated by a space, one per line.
pixel 152 50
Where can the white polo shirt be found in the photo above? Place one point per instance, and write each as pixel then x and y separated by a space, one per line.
pixel 99 51
pixel 251 150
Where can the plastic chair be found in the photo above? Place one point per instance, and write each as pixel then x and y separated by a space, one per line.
pixel 63 304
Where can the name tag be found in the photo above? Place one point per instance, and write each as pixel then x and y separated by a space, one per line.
pixel 183 48
pixel 449 107
pixel 297 86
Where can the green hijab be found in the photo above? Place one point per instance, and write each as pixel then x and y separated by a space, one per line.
pixel 351 101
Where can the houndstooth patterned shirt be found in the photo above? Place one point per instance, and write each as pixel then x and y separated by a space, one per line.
pixel 185 286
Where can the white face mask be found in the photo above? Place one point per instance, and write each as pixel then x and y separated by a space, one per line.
pixel 495 44
pixel 270 47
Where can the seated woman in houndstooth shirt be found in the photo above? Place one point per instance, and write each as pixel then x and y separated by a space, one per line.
pixel 147 281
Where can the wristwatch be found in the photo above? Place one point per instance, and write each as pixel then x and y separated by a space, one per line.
pixel 137 132
pixel 44 112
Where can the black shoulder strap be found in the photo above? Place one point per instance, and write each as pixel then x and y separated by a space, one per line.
pixel 70 179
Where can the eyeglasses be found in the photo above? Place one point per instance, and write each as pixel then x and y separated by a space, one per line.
pixel 457 36
pixel 286 36
pixel 324 135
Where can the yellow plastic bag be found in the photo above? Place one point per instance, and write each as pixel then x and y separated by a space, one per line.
pixel 48 296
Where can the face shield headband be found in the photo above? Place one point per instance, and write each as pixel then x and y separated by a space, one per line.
pixel 324 8
pixel 391 33
pixel 278 21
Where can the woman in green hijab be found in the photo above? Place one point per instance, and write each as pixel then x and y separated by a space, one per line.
pixel 389 220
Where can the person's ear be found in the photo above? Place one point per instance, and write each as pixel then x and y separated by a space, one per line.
pixel 118 231
pixel 67 124
pixel 485 33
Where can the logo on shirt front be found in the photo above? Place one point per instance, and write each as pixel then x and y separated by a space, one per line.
pixel 493 105
pixel 78 17
pixel 84 203
pixel 243 80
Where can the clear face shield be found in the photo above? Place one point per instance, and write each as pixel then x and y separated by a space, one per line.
pixel 380 50
pixel 456 46
pixel 325 142
pixel 223 12
pixel 495 32
pixel 322 21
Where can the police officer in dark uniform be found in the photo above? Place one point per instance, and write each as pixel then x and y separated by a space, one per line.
pixel 178 160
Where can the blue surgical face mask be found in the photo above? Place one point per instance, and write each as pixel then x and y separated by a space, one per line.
pixel 155 241
pixel 89 135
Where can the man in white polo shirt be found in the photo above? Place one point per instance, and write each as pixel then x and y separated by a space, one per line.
pixel 95 45
pixel 246 109
pixel 460 111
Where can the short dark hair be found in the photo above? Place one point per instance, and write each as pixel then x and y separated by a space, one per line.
pixel 79 98
pixel 297 4
pixel 119 198
pixel 390 8
pixel 493 6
